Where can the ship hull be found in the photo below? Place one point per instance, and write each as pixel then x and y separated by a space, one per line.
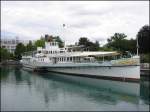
pixel 119 73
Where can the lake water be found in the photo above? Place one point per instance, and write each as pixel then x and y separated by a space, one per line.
pixel 22 90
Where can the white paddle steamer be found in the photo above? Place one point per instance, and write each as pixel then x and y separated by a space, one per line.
pixel 83 63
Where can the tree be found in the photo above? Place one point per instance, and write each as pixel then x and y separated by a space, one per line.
pixel 96 45
pixel 30 46
pixel 143 37
pixel 117 37
pixel 56 38
pixel 48 38
pixel 88 45
pixel 60 42
pixel 39 43
pixel 83 41
pixel 119 42
pixel 4 54
pixel 131 45
pixel 20 48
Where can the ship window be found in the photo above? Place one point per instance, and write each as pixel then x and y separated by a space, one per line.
pixel 70 58
pixel 67 58
pixel 51 52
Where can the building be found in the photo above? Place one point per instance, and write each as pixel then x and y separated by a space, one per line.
pixel 10 44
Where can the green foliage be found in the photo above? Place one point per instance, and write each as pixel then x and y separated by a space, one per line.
pixel 30 46
pixel 131 45
pixel 117 37
pixel 56 38
pixel 83 41
pixel 20 48
pixel 116 41
pixel 12 56
pixel 4 54
pixel 145 58
pixel 119 42
pixel 60 42
pixel 88 45
pixel 144 39
pixel 39 43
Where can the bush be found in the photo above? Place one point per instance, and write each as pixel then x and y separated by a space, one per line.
pixel 145 58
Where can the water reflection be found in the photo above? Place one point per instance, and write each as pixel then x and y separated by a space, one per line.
pixel 49 91
pixel 144 91
pixel 5 72
pixel 18 76
pixel 95 89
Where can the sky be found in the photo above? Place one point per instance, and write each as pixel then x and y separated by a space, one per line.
pixel 96 20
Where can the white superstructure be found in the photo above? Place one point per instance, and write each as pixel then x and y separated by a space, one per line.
pixel 82 63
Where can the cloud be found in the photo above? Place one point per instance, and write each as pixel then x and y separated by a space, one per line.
pixel 97 20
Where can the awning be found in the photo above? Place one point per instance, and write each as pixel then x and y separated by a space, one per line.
pixel 84 54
